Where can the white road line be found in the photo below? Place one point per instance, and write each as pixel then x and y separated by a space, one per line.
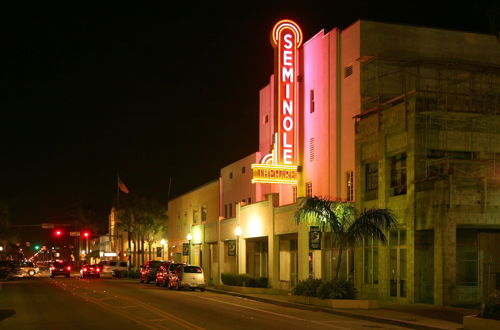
pixel 273 313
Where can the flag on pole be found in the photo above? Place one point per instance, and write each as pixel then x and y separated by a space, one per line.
pixel 122 186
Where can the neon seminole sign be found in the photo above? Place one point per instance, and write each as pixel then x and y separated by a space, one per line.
pixel 280 166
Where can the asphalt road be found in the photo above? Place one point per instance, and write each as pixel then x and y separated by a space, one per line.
pixel 72 303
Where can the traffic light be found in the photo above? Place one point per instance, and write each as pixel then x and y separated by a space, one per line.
pixel 58 233
pixel 86 234
pixel 37 247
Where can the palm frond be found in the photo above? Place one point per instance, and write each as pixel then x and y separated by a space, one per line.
pixel 317 211
pixel 372 223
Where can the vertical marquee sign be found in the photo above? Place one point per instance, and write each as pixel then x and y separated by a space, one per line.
pixel 281 165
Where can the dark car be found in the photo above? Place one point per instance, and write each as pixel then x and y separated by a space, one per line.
pixel 60 267
pixel 149 269
pixel 162 274
pixel 90 271
pixel 7 267
pixel 172 276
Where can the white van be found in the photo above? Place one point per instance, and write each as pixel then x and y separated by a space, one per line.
pixel 191 277
pixel 108 266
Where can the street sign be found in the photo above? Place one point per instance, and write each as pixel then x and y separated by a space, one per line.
pixel 74 233
pixel 47 225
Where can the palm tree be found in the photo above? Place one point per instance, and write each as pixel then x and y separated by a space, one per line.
pixel 347 227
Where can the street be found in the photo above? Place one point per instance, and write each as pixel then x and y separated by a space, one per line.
pixel 73 303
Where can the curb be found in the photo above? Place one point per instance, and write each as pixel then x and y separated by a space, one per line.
pixel 328 310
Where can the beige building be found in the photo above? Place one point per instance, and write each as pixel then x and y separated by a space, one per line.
pixel 393 116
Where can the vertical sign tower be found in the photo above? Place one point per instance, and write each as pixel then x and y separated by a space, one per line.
pixel 280 166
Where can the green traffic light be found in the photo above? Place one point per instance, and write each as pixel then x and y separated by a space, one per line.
pixel 37 247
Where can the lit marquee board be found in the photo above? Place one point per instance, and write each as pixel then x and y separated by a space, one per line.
pixel 280 166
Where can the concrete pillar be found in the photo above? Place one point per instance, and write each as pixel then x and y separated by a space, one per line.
pixel 303 251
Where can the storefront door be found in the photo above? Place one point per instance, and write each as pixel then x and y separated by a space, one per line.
pixel 398 264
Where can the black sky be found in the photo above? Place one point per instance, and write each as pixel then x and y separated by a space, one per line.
pixel 151 92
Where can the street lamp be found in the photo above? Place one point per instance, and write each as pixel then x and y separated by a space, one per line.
pixel 238 232
pixel 189 237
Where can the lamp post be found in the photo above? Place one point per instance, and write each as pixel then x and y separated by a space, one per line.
pixel 162 243
pixel 238 232
pixel 189 237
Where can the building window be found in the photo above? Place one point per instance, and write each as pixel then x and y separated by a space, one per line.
pixel 371 181
pixel 467 257
pixel 230 210
pixel 370 261
pixel 350 186
pixel 266 119
pixel 203 214
pixel 294 194
pixel 243 170
pixel 311 149
pixel 398 174
pixel 195 217
pixel 230 175
pixel 309 189
pixel 311 101
pixel 249 200
pixel 347 71
pixel 225 211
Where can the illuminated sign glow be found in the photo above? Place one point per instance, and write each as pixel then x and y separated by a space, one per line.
pixel 280 166
pixel 265 173
pixel 286 38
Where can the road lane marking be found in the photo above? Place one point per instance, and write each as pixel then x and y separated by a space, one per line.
pixel 138 304
pixel 273 313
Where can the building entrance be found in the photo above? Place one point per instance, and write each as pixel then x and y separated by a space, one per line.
pixel 288 263
pixel 257 256
pixel 398 264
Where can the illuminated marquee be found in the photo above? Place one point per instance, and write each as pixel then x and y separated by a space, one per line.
pixel 281 165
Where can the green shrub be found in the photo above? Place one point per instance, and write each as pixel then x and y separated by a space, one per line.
pixel 336 289
pixel 307 287
pixel 262 282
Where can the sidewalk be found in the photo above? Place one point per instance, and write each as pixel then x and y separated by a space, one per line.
pixel 413 316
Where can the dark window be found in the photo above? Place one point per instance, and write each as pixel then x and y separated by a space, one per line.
pixel 467 257
pixel 398 174
pixel 311 101
pixel 243 170
pixel 311 149
pixel 203 214
pixel 230 210
pixel 347 71
pixel 230 175
pixel 225 211
pixel 371 181
pixel 112 263
pixel 309 189
pixel 192 269
pixel 249 200
pixel 350 186
pixel 294 193
pixel 266 119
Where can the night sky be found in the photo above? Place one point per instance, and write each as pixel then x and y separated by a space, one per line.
pixel 150 92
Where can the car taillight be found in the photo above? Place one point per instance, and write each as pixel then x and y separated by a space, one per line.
pixel 52 268
pixel 68 268
pixel 97 270
pixel 85 269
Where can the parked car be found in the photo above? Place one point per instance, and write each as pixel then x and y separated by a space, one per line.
pixel 187 276
pixel 90 271
pixel 60 267
pixel 149 269
pixel 110 266
pixel 26 268
pixel 162 273
pixel 7 268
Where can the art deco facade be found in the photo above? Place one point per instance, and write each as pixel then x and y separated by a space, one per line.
pixel 390 116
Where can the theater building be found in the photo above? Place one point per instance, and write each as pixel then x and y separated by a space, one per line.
pixel 388 116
